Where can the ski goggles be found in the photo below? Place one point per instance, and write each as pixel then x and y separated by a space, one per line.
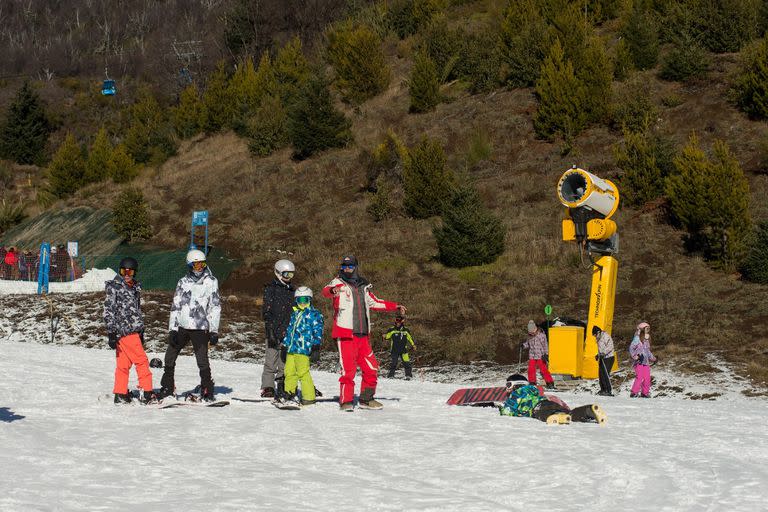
pixel 346 266
pixel 287 274
pixel 303 300
pixel 127 272
pixel 198 264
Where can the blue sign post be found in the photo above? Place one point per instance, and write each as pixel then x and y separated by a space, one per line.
pixel 199 219
pixel 44 268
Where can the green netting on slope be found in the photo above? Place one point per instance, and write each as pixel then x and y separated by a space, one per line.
pixel 160 270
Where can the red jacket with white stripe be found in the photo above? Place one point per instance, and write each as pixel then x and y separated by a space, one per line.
pixel 343 306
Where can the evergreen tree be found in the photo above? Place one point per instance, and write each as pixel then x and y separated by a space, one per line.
pixel 218 104
pixel 641 32
pixel 314 123
pixel 622 61
pixel 358 59
pixel 755 265
pixel 470 234
pixel 407 17
pixel 686 60
pixel 148 138
pixel 710 199
pixel 67 168
pixel 24 132
pixel 246 94
pixel 187 116
pixel 122 168
pixel 561 98
pixel 751 84
pixel 444 45
pixel 268 127
pixel 266 81
pixel 525 41
pixel 427 182
pixel 642 179
pixel 596 73
pixel 99 156
pixel 424 86
pixel 130 216
pixel 291 69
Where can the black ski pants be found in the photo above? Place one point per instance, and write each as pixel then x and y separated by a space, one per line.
pixel 604 365
pixel 199 341
pixel 396 358
pixel 581 414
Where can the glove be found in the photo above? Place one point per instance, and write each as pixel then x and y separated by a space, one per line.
pixel 173 338
pixel 545 358
pixel 113 339
pixel 141 337
pixel 314 355
pixel 283 353
pixel 213 339
pixel 597 357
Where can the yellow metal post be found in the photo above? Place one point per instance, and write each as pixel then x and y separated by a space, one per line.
pixel 601 302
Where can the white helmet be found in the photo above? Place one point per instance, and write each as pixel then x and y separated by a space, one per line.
pixel 303 291
pixel 195 255
pixel 282 267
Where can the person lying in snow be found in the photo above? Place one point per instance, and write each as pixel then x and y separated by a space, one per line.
pixel 530 401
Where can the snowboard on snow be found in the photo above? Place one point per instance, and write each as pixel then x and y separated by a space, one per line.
pixel 478 397
pixel 286 406
pixel 218 403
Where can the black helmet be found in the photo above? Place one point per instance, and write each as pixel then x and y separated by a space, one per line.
pixel 130 263
pixel 155 363
pixel 596 330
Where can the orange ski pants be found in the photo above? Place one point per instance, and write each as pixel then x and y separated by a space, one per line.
pixel 129 352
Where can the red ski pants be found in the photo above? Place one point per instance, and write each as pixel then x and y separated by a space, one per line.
pixel 538 363
pixel 353 353
pixel 130 352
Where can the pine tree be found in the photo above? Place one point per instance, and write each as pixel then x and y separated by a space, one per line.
pixel 130 216
pixel 218 104
pixel 148 138
pixel 525 41
pixel 187 116
pixel 642 179
pixel 596 73
pixel 245 93
pixel 291 69
pixel 755 265
pixel 314 123
pixel 122 168
pixel 710 199
pixel 99 156
pixel 24 132
pixel 641 32
pixel 358 59
pixel 427 182
pixel 268 127
pixel 67 168
pixel 561 98
pixel 470 234
pixel 751 84
pixel 686 60
pixel 424 85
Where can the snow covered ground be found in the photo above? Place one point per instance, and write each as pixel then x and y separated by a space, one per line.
pixel 64 449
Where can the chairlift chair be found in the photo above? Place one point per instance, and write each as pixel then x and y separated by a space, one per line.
pixel 108 88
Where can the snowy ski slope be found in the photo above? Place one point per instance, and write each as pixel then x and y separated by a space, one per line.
pixel 64 449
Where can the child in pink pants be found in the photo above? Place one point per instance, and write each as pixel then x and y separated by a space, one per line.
pixel 642 357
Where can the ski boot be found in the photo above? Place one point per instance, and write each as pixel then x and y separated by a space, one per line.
pixel 559 418
pixel 551 385
pixel 164 392
pixel 645 396
pixel 206 394
pixel 318 394
pixel 633 395
pixel 150 398
pixel 122 398
pixel 308 402
pixel 366 400
pixel 268 393
pixel 347 407
pixel 599 414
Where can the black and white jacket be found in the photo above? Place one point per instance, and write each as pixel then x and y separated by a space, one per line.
pixel 122 307
pixel 196 303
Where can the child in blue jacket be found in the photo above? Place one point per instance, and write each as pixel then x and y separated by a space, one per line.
pixel 303 335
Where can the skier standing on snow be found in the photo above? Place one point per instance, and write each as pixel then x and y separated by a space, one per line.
pixel 642 357
pixel 538 355
pixel 352 304
pixel 125 328
pixel 276 312
pixel 195 315
pixel 401 343
pixel 604 357
pixel 302 339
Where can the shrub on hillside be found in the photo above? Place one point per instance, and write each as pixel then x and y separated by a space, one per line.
pixel 67 168
pixel 622 61
pixel 726 25
pixel 603 10
pixel 427 182
pixel 751 82
pixel 380 202
pixel 314 123
pixel 444 45
pixel 710 200
pixel 10 214
pixel 470 234
pixel 525 39
pixel 641 32
pixel 130 216
pixel 479 63
pixel 149 136
pixel 561 97
pixel 755 265
pixel 99 156
pixel 407 17
pixel 357 57
pixel 686 60
pixel 218 104
pixel 291 69
pixel 25 129
pixel 385 160
pixel 633 107
pixel 596 73
pixel 642 179
pixel 188 116
pixel 268 127
pixel 424 85
pixel 122 168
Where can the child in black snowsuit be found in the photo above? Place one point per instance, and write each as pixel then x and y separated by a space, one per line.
pixel 401 342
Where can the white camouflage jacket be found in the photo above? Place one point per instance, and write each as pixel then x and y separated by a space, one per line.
pixel 196 303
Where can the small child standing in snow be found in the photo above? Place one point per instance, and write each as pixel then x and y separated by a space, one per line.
pixel 538 355
pixel 604 357
pixel 305 331
pixel 642 357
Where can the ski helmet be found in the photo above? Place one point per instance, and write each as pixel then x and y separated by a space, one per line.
pixel 284 269
pixel 516 380
pixel 194 256
pixel 129 263
pixel 155 363
pixel 596 330
pixel 303 291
